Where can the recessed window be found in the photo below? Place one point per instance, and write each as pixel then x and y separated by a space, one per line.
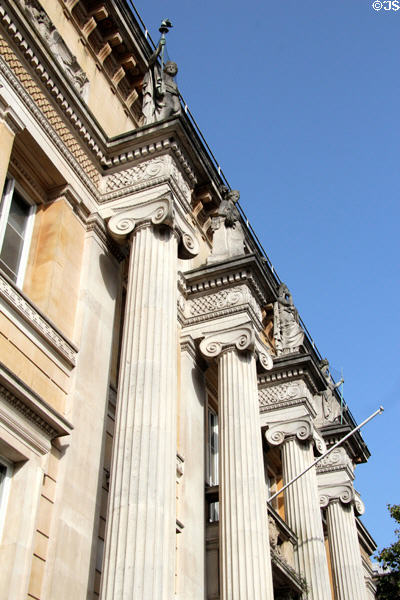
pixel 5 478
pixel 16 224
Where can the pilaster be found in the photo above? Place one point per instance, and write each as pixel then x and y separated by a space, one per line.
pixel 10 125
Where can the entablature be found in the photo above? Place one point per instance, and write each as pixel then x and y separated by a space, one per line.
pixel 354 445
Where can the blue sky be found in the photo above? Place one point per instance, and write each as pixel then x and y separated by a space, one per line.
pixel 299 102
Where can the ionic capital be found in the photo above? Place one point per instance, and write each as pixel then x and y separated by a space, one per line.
pixel 299 427
pixel 156 212
pixel 242 338
pixel 330 492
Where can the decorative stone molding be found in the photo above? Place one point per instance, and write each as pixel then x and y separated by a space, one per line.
pixel 154 171
pixel 277 432
pixel 87 176
pixel 283 395
pixel 157 212
pixel 300 427
pixel 243 338
pixel 358 503
pixel 24 412
pixel 289 374
pixel 221 303
pixel 54 42
pixel 338 459
pixel 221 280
pixel 144 151
pixel 129 177
pixel 16 300
pixel 9 117
pixel 53 89
pixel 342 492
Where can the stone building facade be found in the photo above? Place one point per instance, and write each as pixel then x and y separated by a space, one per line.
pixel 156 382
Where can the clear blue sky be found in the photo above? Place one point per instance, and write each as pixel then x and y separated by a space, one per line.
pixel 299 101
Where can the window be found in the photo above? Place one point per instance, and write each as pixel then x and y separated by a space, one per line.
pixel 5 477
pixel 16 223
pixel 212 460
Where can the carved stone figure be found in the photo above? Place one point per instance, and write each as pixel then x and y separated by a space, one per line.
pixel 288 333
pixel 56 45
pixel 330 409
pixel 273 534
pixel 228 239
pixel 160 91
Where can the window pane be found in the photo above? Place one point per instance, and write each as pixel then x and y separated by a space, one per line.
pixel 19 213
pixel 11 252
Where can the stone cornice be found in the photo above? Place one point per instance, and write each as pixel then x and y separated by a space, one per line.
pixel 291 367
pixel 38 321
pixel 222 275
pixel 365 538
pixel 242 337
pixel 355 445
pixel 29 404
pixel 160 211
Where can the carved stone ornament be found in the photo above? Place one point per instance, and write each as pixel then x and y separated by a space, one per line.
pixel 228 237
pixel 343 492
pixel 337 459
pixel 46 29
pixel 156 212
pixel 243 338
pixel 300 427
pixel 358 504
pixel 288 333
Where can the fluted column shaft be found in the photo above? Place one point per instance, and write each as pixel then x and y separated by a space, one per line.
pixel 304 517
pixel 140 540
pixel 345 552
pixel 244 542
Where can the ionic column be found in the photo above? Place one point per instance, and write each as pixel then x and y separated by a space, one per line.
pixel 345 551
pixel 338 496
pixel 245 564
pixel 140 540
pixel 302 504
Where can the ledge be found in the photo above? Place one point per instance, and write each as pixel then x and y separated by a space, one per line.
pixel 33 316
pixel 28 403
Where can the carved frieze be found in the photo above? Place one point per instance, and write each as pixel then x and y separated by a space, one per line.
pixel 282 392
pixel 155 167
pixel 224 302
pixel 337 459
